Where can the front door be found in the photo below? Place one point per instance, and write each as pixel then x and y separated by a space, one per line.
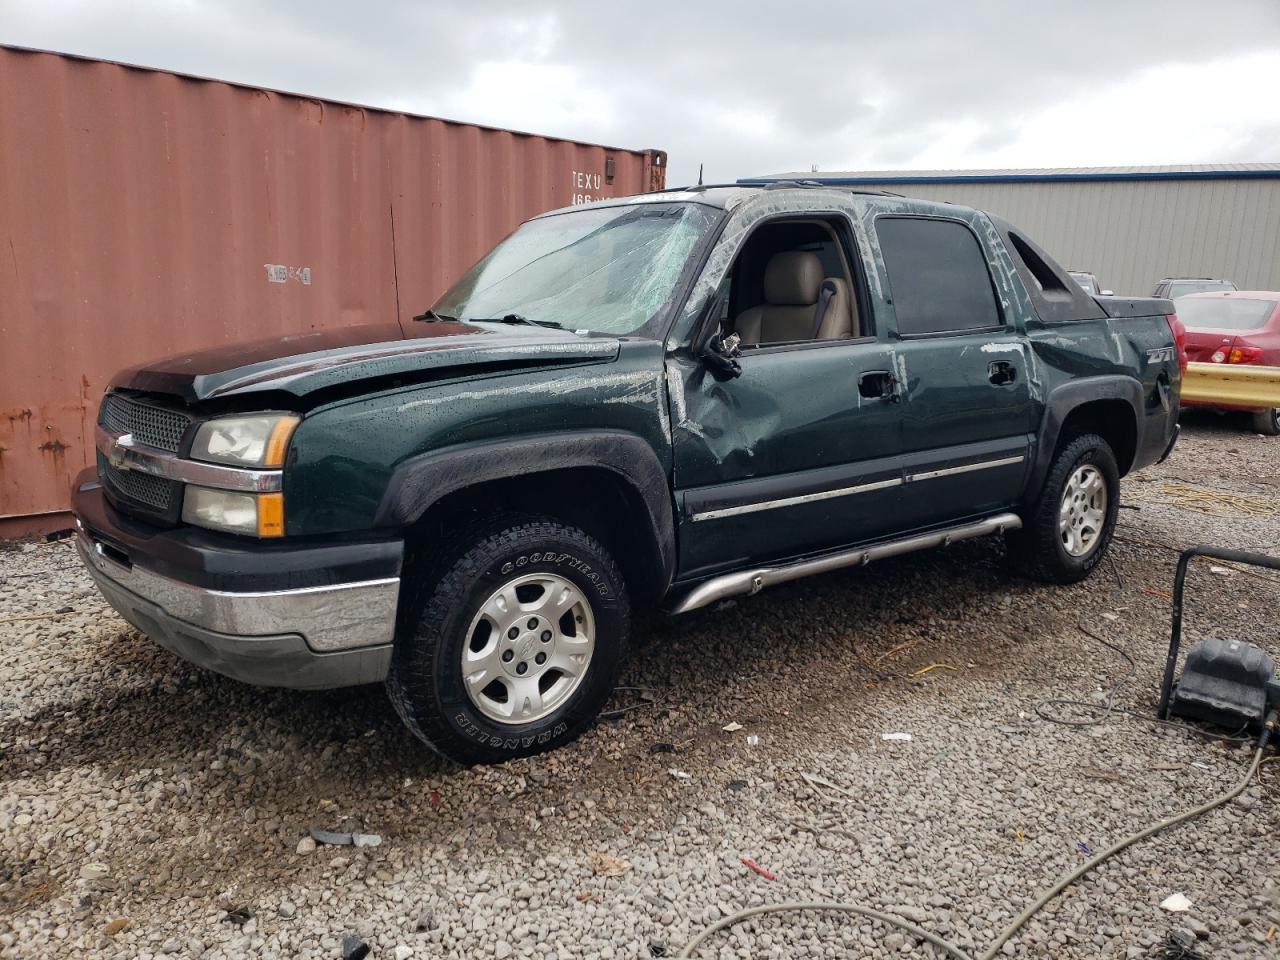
pixel 789 458
pixel 798 454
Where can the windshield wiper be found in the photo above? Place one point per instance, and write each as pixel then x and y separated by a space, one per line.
pixel 517 318
pixel 430 315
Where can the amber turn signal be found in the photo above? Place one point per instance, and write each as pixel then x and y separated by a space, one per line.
pixel 278 442
pixel 271 514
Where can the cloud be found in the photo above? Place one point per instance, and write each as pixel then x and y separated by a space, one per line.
pixel 746 87
pixel 1181 112
pixel 554 93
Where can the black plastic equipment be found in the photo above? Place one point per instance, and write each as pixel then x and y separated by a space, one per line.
pixel 1225 682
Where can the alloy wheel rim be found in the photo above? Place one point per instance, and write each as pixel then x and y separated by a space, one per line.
pixel 1083 511
pixel 528 648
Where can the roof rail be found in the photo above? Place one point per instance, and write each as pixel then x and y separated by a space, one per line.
pixel 700 187
pixel 792 184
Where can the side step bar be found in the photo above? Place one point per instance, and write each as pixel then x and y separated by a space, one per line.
pixel 753 581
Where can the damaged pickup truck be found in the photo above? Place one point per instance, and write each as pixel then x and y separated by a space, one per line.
pixel 663 400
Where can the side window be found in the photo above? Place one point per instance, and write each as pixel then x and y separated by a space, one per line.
pixel 792 282
pixel 832 265
pixel 938 276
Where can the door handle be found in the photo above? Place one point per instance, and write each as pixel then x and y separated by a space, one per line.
pixel 878 384
pixel 1001 372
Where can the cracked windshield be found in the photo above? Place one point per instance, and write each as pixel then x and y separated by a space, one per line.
pixel 609 270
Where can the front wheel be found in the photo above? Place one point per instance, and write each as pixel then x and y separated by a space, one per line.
pixel 1267 422
pixel 512 643
pixel 1067 530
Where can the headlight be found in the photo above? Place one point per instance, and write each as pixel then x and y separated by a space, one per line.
pixel 254 514
pixel 257 441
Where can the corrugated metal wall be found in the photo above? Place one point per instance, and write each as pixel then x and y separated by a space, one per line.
pixel 1132 233
pixel 144 214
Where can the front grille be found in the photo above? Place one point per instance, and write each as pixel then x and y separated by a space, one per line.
pixel 154 493
pixel 152 425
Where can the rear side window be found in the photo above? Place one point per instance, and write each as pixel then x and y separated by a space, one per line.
pixel 938 276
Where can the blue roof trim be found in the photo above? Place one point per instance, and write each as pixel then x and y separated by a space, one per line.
pixel 1026 178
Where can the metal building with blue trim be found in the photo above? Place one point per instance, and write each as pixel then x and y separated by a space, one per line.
pixel 1131 226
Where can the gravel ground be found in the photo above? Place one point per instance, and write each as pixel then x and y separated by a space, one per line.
pixel 149 809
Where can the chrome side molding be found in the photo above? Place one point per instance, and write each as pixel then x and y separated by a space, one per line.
pixel 753 581
pixel 898 481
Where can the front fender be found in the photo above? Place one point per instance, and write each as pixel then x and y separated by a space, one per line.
pixel 419 482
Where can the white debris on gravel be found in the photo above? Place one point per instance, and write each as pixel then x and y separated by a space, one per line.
pixel 149 809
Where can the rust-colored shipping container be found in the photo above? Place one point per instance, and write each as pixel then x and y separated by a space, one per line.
pixel 144 213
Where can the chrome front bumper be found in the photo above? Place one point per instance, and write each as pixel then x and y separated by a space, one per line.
pixel 314 637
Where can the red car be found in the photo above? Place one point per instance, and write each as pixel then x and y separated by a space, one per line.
pixel 1235 326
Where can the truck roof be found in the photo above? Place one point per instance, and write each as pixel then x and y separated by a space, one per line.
pixel 726 195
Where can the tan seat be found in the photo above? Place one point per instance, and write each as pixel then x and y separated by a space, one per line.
pixel 793 287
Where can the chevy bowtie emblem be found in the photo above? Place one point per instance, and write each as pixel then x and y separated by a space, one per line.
pixel 119 447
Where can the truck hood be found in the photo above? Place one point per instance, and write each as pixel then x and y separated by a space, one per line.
pixel 301 364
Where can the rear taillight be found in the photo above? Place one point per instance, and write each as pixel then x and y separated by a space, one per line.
pixel 1244 355
pixel 1179 339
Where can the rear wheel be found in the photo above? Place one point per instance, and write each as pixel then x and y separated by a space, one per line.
pixel 1267 422
pixel 1066 532
pixel 512 643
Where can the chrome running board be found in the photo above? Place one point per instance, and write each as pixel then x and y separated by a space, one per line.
pixel 753 581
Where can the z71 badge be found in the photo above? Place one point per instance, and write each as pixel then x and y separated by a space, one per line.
pixel 1161 355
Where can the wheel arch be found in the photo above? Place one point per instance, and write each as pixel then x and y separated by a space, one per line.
pixel 1109 406
pixel 609 483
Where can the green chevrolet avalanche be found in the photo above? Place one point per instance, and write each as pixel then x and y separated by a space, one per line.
pixel 662 400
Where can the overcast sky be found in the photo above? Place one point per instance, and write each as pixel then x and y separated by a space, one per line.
pixel 747 88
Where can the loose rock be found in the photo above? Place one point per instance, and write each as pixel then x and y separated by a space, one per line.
pixel 353 948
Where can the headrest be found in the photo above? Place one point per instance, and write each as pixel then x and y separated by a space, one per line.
pixel 793 278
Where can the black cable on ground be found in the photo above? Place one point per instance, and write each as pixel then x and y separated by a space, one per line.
pixel 1236 737
pixel 1019 921
pixel 1107 707
pixel 1108 704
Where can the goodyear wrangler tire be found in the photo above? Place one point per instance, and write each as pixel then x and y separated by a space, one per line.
pixel 512 643
pixel 1066 532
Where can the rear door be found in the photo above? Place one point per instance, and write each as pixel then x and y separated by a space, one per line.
pixel 964 370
